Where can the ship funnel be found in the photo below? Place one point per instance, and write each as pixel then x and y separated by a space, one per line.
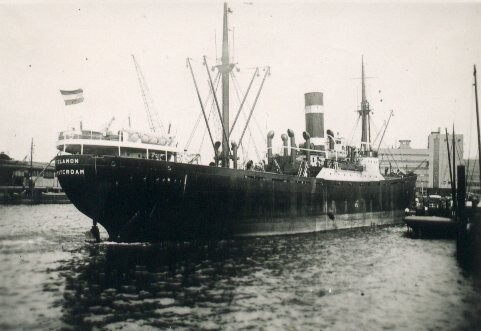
pixel 314 113
pixel 284 142
pixel 270 136
pixel 330 137
pixel 291 135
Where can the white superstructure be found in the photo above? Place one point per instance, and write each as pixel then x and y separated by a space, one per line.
pixel 124 143
pixel 370 172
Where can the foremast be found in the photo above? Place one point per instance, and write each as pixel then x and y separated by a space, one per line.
pixel 364 112
pixel 225 68
pixel 477 118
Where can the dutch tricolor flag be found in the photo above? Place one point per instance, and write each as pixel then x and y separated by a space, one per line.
pixel 72 97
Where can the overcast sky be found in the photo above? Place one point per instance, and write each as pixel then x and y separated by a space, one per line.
pixel 420 56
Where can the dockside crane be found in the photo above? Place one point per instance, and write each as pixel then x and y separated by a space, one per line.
pixel 153 120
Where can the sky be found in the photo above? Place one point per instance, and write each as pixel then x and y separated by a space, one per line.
pixel 420 58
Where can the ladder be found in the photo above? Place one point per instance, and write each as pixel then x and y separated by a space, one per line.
pixel 277 166
pixel 302 169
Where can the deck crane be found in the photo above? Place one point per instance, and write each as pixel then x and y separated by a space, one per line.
pixel 152 116
pixel 391 114
pixel 108 124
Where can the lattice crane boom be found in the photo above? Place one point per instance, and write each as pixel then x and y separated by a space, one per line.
pixel 152 115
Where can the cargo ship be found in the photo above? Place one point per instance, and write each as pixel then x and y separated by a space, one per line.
pixel 142 187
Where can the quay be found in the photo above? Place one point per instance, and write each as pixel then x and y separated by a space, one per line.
pixel 23 182
pixel 15 195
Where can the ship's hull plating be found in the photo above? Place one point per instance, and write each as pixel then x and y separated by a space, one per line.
pixel 150 200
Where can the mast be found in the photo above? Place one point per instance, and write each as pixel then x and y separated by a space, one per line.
pixel 454 169
pixel 30 170
pixel 364 112
pixel 477 120
pixel 453 189
pixel 449 164
pixel 31 155
pixel 225 69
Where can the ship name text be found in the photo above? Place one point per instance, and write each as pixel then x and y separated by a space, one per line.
pixel 63 172
pixel 67 161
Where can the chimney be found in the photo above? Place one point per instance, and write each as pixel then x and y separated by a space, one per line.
pixel 291 135
pixel 404 143
pixel 284 142
pixel 314 114
pixel 330 138
pixel 307 138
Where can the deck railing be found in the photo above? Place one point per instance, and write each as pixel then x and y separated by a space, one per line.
pixel 87 135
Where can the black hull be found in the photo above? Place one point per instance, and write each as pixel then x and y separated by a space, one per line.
pixel 149 200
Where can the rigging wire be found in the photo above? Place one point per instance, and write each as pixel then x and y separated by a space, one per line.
pixel 233 45
pixel 354 130
pixel 460 160
pixel 194 130
pixel 450 146
pixel 202 140
pixel 388 150
pixel 205 129
pixel 261 132
pixel 472 121
pixel 215 45
pixel 211 110
pixel 245 150
pixel 256 150
pixel 445 171
pixel 474 167
pixel 375 129
pixel 237 88
pixel 403 158
pixel 199 117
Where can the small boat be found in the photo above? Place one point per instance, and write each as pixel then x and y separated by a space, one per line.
pixel 434 205
pixel 431 226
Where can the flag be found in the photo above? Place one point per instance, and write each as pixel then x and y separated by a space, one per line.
pixel 72 97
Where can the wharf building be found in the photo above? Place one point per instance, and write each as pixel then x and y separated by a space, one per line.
pixel 430 164
pixel 15 173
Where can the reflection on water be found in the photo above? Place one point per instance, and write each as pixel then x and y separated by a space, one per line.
pixel 371 279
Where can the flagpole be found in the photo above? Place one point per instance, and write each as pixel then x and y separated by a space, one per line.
pixel 73 97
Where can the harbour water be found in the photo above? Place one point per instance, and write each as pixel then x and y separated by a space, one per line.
pixel 375 279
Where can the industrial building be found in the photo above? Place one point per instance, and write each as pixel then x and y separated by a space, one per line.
pixel 431 164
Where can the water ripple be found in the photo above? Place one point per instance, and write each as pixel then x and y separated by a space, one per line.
pixel 357 280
